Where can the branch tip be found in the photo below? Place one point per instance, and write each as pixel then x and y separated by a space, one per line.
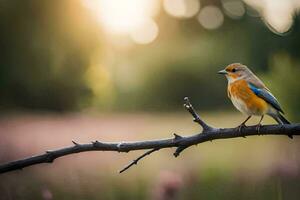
pixel 176 154
pixel 196 117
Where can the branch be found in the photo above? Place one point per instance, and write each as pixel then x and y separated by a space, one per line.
pixel 180 142
pixel 187 104
pixel 135 161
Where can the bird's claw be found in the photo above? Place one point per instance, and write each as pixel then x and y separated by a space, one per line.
pixel 258 128
pixel 240 127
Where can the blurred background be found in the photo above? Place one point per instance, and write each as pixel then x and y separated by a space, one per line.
pixel 118 70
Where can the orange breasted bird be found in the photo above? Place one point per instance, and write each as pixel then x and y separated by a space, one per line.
pixel 250 96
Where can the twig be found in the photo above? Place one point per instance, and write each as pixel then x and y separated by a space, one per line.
pixel 181 143
pixel 187 104
pixel 135 161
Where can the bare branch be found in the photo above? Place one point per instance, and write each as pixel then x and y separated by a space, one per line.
pixel 135 161
pixel 187 104
pixel 181 143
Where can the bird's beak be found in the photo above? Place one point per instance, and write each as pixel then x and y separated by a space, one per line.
pixel 222 72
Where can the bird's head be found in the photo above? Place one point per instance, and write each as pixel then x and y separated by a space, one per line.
pixel 235 71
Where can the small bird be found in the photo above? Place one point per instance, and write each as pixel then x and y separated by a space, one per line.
pixel 250 96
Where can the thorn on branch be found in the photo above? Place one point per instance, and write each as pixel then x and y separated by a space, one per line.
pixel 95 143
pixel 75 143
pixel 177 137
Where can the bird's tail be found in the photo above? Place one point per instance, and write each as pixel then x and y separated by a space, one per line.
pixel 281 120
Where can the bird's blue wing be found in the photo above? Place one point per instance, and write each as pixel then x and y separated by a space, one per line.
pixel 266 95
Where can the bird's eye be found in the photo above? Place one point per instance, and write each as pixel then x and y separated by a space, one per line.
pixel 233 70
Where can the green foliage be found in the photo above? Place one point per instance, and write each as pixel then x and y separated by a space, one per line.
pixel 44 54
pixel 284 82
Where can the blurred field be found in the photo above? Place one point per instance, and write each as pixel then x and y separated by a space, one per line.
pixel 262 167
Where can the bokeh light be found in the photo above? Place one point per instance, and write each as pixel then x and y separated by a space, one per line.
pixel 211 17
pixel 181 8
pixel 234 8
pixel 146 33
pixel 277 14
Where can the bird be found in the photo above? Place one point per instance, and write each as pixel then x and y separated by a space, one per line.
pixel 250 95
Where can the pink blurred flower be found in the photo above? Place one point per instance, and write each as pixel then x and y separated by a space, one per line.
pixel 168 185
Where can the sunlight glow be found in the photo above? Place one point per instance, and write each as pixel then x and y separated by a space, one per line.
pixel 126 17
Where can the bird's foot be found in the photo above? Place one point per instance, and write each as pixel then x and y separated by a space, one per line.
pixel 258 126
pixel 240 127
